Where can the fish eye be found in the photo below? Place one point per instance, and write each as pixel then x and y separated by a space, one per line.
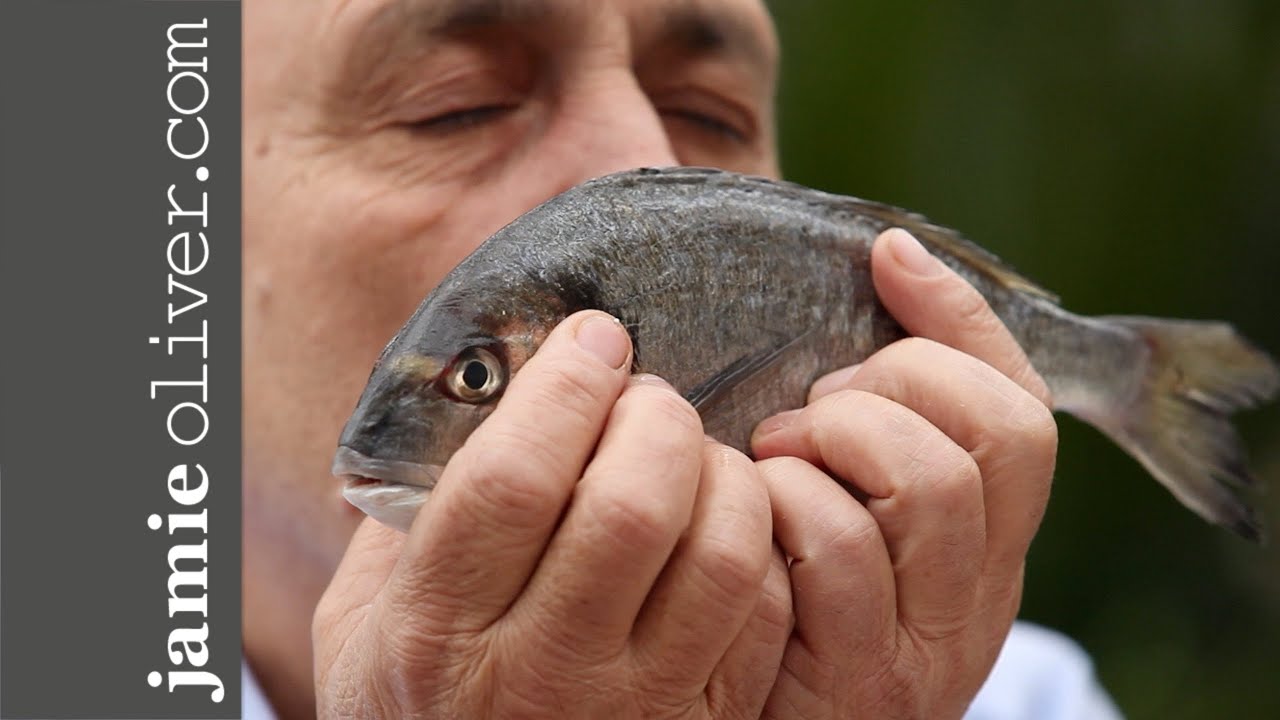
pixel 476 376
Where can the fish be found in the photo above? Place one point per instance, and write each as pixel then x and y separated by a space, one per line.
pixel 740 291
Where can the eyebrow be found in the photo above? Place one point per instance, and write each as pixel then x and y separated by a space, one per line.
pixel 441 19
pixel 700 30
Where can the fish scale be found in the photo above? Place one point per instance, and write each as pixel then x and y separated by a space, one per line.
pixel 740 291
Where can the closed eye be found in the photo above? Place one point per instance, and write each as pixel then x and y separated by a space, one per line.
pixel 707 123
pixel 464 119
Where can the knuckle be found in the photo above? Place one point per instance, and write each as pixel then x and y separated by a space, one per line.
pixel 408 653
pixel 955 474
pixel 1042 427
pixel 731 568
pixel 511 474
pixel 411 662
pixel 832 418
pixel 774 612
pixel 1030 380
pixel 970 308
pixel 724 458
pixel 662 427
pixel 782 466
pixel 634 520
pixel 840 401
pixel 1039 430
pixel 781 469
pixel 915 345
pixel 574 388
pixel 742 476
pixel 669 410
pixel 980 327
pixel 890 372
pixel 538 630
pixel 910 349
pixel 1030 432
pixel 854 539
pixel 935 466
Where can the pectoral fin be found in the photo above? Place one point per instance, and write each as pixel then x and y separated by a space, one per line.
pixel 708 394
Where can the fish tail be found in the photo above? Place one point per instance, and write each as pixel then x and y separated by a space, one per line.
pixel 1170 409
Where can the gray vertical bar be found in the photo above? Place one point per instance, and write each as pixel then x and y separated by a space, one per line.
pixel 91 506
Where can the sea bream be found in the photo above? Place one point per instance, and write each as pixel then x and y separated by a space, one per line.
pixel 741 291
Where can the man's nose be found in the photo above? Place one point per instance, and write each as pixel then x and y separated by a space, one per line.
pixel 611 128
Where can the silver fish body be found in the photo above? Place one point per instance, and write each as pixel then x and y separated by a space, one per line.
pixel 741 291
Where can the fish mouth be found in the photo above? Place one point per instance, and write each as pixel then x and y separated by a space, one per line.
pixel 389 491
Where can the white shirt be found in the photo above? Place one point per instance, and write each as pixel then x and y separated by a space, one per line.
pixel 1040 675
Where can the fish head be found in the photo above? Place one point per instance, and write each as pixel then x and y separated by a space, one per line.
pixel 435 382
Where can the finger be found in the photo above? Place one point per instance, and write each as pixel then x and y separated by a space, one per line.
pixel 842 581
pixel 364 569
pixel 831 382
pixel 1009 434
pixel 924 491
pixel 715 577
pixel 930 300
pixel 750 666
pixel 634 501
pixel 502 495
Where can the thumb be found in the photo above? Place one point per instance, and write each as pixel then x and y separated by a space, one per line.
pixel 931 301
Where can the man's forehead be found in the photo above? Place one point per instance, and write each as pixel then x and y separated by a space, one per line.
pixel 440 16
pixel 739 27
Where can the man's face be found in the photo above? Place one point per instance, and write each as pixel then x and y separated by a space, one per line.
pixel 385 139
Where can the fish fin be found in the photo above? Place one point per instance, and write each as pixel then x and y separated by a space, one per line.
pixel 951 242
pixel 1178 422
pixel 706 394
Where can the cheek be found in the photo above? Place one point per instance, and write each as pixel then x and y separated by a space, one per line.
pixel 338 261
pixel 333 265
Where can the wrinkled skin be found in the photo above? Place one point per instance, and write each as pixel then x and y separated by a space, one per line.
pixel 366 180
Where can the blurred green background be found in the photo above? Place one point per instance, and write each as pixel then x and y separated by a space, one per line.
pixel 1125 154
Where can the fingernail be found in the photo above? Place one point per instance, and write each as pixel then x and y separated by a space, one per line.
pixel 654 380
pixel 911 255
pixel 605 338
pixel 832 382
pixel 775 423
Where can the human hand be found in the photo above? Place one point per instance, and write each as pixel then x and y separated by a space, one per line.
pixel 903 600
pixel 587 553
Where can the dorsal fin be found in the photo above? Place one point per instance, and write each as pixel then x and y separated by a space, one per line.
pixel 937 238
pixel 950 242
